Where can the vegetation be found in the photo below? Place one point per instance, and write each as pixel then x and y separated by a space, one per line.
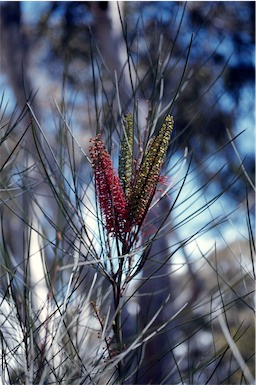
pixel 127 201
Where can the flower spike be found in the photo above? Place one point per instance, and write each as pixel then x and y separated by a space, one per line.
pixel 109 191
pixel 149 172
pixel 126 155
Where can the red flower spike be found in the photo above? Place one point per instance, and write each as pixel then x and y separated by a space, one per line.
pixel 109 191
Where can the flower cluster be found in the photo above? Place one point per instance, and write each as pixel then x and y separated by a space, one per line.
pixel 125 198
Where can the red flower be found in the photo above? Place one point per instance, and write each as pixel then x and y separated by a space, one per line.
pixel 109 191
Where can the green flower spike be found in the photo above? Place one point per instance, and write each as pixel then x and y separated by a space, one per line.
pixel 147 178
pixel 126 156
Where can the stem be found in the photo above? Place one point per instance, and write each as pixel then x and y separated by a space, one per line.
pixel 117 328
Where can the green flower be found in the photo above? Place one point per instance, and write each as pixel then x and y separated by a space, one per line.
pixel 147 177
pixel 126 155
